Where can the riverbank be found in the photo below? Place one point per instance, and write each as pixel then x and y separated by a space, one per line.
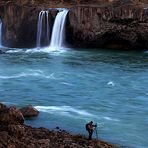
pixel 15 134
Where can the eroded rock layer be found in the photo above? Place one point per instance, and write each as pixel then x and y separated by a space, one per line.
pixel 119 26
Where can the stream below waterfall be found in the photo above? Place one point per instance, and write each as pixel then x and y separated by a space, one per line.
pixel 71 87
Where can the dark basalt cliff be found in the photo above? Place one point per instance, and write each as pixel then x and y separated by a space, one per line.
pixel 109 26
pixel 20 24
pixel 113 26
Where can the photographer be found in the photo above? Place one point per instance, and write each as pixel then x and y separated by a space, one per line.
pixel 90 129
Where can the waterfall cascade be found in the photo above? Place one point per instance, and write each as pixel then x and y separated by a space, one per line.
pixel 42 28
pixel 0 33
pixel 58 32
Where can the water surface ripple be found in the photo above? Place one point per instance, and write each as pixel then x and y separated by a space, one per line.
pixel 72 87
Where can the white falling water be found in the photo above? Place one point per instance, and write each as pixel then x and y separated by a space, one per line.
pixel 58 32
pixel 42 15
pixel 0 33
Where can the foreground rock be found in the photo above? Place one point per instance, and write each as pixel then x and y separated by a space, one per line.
pixel 2 106
pixel 29 111
pixel 10 116
pixel 14 134
pixel 17 136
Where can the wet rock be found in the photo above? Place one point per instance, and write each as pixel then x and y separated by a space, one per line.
pixel 29 111
pixel 11 116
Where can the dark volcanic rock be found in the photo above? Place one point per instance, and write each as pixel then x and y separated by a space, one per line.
pixel 113 26
pixel 122 24
pixel 20 24
pixel 29 111
pixel 11 116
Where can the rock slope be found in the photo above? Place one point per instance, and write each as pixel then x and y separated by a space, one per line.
pixel 14 134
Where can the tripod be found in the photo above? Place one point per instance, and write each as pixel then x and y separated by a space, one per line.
pixel 96 131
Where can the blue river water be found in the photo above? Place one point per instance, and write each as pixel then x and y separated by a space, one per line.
pixel 71 87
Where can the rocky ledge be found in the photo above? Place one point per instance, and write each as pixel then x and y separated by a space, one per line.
pixel 15 134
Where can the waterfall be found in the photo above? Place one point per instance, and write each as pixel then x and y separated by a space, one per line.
pixel 58 32
pixel 0 33
pixel 42 27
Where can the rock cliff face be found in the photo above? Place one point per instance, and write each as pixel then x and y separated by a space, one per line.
pixel 113 26
pixel 20 24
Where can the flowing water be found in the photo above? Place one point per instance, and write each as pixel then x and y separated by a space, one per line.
pixel 57 40
pixel 58 32
pixel 42 28
pixel 0 33
pixel 72 87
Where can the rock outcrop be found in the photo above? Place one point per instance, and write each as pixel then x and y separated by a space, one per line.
pixel 20 24
pixel 23 136
pixel 10 116
pixel 29 111
pixel 2 106
pixel 121 26
pixel 14 134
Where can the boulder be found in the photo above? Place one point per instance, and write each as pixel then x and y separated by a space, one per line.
pixel 29 111
pixel 2 106
pixel 11 116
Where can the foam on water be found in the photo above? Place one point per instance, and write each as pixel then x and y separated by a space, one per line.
pixel 64 110
pixel 15 50
pixel 19 75
pixel 111 83
pixel 31 73
pixel 47 50
pixel 68 84
pixel 110 119
pixel 38 50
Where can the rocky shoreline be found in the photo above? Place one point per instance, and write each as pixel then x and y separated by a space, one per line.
pixel 15 134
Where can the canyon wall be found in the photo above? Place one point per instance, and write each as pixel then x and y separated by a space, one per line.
pixel 107 26
pixel 20 24
pixel 113 26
